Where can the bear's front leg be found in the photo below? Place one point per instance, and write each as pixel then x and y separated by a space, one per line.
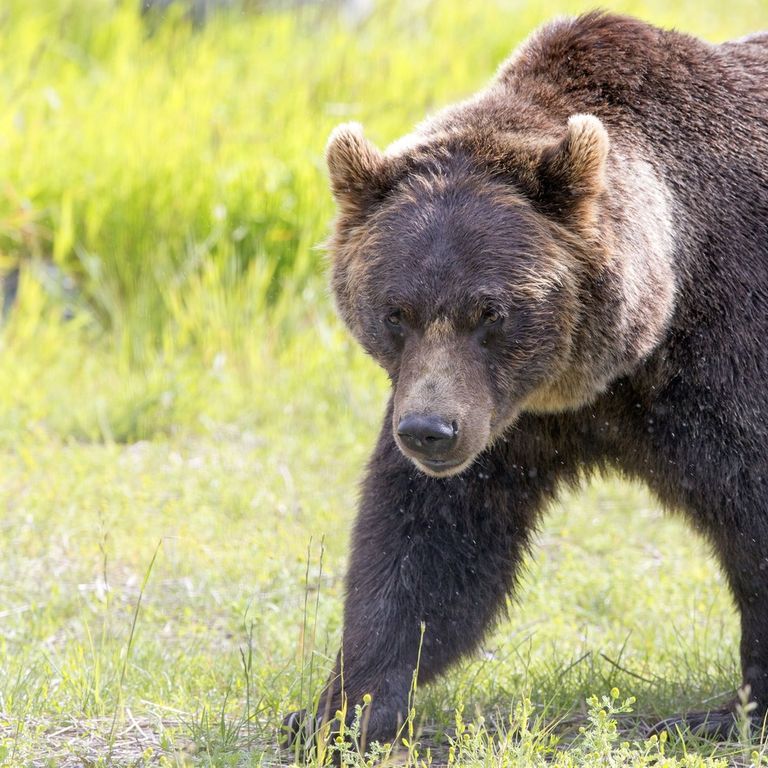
pixel 441 553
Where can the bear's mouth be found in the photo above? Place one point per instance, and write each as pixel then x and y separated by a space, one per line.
pixel 442 467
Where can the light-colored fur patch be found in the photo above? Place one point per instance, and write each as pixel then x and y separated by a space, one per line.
pixel 638 232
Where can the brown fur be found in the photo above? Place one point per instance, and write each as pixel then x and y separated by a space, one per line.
pixel 567 272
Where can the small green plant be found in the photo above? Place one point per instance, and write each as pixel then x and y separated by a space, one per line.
pixel 599 737
pixel 348 746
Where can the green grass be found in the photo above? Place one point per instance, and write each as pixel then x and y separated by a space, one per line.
pixel 617 595
pixel 180 456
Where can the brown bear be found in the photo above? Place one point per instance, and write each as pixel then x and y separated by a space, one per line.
pixel 566 273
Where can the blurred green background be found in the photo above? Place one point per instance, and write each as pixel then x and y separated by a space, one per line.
pixel 163 185
pixel 172 374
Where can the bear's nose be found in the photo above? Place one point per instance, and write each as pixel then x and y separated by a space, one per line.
pixel 427 434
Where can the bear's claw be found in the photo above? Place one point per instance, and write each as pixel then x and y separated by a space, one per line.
pixel 298 728
pixel 714 725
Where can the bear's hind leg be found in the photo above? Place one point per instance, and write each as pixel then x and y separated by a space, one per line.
pixel 742 547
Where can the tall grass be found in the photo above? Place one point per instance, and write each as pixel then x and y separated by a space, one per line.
pixel 164 186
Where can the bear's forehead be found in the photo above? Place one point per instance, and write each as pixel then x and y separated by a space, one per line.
pixel 429 287
pixel 450 240
pixel 456 213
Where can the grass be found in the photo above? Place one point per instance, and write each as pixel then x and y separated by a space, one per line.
pixel 183 421
pixel 617 596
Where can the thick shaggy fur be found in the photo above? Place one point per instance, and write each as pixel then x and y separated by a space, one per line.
pixel 571 268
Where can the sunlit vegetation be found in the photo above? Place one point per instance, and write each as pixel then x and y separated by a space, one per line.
pixel 183 420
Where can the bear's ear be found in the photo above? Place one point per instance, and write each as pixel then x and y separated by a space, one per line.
pixel 359 172
pixel 569 176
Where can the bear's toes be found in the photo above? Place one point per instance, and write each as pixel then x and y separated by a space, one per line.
pixel 298 729
pixel 714 725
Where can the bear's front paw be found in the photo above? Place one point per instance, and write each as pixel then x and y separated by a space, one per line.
pixel 715 725
pixel 299 729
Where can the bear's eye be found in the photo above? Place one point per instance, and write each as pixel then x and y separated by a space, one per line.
pixel 490 322
pixel 395 320
pixel 490 317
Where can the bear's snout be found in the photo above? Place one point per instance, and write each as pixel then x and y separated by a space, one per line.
pixel 437 445
pixel 428 437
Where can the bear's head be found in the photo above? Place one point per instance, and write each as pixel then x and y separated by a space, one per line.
pixel 460 263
